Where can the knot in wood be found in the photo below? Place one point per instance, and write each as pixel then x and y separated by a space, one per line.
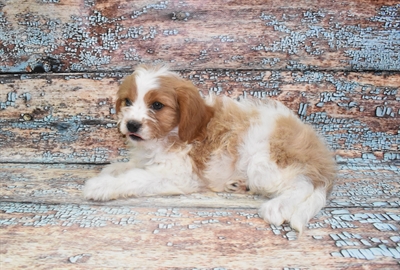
pixel 40 67
pixel 27 117
pixel 180 15
pixel 44 65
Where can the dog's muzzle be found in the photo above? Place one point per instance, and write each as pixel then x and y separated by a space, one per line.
pixel 133 128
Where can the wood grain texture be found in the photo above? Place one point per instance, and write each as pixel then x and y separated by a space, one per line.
pixel 335 63
pixel 70 118
pixel 42 214
pixel 84 35
pixel 60 183
pixel 44 236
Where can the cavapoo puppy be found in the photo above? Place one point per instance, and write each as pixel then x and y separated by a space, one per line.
pixel 182 143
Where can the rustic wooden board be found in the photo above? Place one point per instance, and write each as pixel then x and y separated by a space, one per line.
pixel 335 63
pixel 71 117
pixel 348 94
pixel 84 35
pixel 42 214
pixel 60 183
pixel 48 236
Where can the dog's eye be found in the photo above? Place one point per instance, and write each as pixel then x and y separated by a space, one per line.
pixel 128 102
pixel 157 106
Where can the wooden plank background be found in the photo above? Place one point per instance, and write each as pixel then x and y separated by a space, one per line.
pixel 79 35
pixel 59 118
pixel 335 63
pixel 47 224
pixel 89 237
pixel 56 183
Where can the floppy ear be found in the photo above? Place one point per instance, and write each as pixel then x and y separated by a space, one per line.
pixel 118 104
pixel 127 89
pixel 194 113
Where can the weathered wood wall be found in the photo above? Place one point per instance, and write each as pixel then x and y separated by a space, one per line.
pixel 335 63
pixel 71 117
pixel 88 35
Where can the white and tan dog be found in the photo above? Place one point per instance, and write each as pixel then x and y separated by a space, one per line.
pixel 182 144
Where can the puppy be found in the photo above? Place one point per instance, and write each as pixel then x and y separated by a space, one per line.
pixel 182 144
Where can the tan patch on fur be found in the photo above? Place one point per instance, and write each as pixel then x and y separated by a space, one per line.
pixel 296 144
pixel 126 90
pixel 184 108
pixel 194 113
pixel 224 134
pixel 167 118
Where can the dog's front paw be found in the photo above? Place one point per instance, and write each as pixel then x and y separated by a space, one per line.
pixel 99 188
pixel 116 169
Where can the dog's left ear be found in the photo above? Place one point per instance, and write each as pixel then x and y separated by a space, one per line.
pixel 127 89
pixel 118 105
pixel 194 113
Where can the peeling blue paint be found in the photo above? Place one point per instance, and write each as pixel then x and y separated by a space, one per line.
pixel 376 52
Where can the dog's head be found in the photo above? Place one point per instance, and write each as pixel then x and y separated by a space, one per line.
pixel 153 102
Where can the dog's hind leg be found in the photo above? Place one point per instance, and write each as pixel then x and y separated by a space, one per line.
pixel 297 204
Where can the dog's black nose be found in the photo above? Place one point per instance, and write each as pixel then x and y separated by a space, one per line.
pixel 133 126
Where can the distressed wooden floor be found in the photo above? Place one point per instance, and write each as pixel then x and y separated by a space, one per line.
pixel 45 224
pixel 335 63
